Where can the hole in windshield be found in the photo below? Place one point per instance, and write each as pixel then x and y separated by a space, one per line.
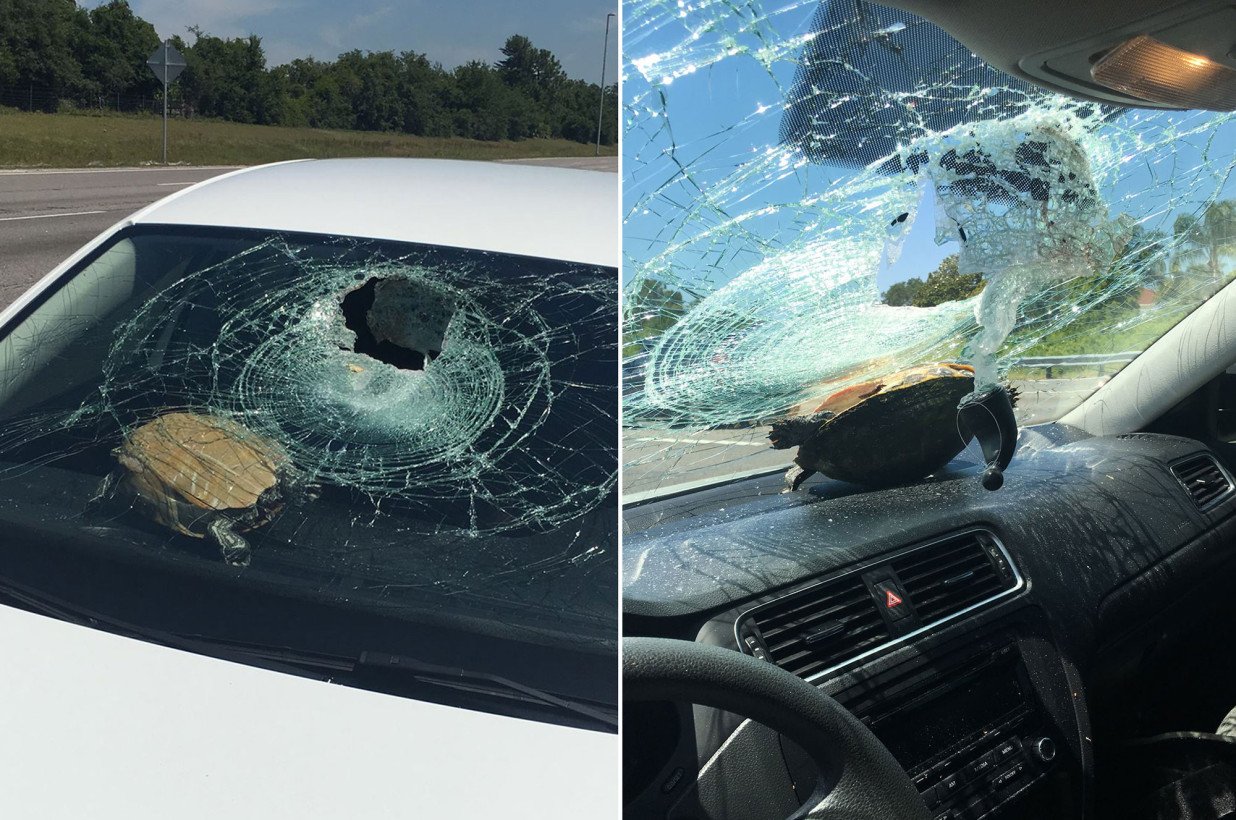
pixel 397 322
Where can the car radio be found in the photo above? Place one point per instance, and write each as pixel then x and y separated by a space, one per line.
pixel 966 726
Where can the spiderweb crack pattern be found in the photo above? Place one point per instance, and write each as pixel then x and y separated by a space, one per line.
pixel 776 160
pixel 282 362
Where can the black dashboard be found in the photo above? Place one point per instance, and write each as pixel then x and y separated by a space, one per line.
pixel 989 639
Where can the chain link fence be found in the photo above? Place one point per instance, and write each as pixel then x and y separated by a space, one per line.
pixel 32 98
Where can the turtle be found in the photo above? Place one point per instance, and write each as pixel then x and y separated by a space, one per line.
pixel 882 432
pixel 205 476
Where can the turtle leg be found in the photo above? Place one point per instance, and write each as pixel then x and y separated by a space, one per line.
pixel 235 548
pixel 795 476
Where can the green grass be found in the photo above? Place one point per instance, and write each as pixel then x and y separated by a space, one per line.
pixel 1129 332
pixel 81 141
pixel 1136 336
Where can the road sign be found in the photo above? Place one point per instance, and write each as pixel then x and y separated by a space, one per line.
pixel 166 63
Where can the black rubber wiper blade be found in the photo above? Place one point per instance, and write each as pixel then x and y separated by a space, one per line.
pixel 324 665
pixel 409 669
pixel 405 669
pixel 329 667
pixel 484 682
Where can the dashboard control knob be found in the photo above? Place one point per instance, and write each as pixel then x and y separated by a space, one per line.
pixel 1044 749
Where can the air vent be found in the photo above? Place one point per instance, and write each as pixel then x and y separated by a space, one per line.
pixel 830 624
pixel 954 574
pixel 1205 480
pixel 820 627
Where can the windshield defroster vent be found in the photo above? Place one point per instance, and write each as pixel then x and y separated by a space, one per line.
pixel 953 574
pixel 1206 482
pixel 816 629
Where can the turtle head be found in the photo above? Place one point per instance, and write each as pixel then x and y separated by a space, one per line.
pixel 792 432
pixel 296 485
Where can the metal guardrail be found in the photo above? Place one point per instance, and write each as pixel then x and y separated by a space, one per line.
pixel 1099 360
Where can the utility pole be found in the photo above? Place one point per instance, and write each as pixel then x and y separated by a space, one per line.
pixel 604 60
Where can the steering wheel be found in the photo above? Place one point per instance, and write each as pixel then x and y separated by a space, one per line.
pixel 859 778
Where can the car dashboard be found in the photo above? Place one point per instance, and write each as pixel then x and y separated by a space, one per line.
pixel 992 640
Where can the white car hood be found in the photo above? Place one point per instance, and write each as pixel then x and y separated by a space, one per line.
pixel 101 726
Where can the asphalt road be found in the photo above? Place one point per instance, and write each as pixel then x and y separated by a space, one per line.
pixel 584 163
pixel 658 461
pixel 46 215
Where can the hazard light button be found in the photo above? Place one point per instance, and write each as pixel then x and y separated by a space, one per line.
pixel 891 599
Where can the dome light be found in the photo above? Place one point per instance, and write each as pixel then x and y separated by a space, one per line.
pixel 1154 71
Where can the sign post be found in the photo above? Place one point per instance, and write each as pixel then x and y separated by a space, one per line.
pixel 166 63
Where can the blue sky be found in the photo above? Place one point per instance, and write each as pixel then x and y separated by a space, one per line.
pixel 704 105
pixel 451 33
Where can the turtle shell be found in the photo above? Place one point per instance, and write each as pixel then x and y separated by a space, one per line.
pixel 888 431
pixel 187 469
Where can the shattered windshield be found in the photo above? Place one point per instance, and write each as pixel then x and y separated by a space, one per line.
pixel 420 440
pixel 820 197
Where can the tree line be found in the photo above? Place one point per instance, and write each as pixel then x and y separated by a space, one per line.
pixel 944 284
pixel 56 55
pixel 1195 249
pixel 1179 267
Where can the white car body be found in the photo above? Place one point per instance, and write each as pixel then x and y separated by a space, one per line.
pixel 101 726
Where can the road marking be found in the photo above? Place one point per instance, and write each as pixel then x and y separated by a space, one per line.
pixel 673 489
pixel 718 442
pixel 42 171
pixel 49 216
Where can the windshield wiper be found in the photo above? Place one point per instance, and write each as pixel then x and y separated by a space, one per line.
pixel 466 680
pixel 407 669
pixel 402 669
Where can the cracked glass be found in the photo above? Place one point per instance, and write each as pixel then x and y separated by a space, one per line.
pixel 821 195
pixel 342 446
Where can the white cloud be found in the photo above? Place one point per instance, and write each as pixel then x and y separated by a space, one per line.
pixel 222 18
pixel 338 36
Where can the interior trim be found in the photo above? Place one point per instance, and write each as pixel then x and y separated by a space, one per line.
pixel 1195 350
pixel 1016 588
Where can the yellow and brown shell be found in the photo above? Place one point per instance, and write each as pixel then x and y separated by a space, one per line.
pixel 188 469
